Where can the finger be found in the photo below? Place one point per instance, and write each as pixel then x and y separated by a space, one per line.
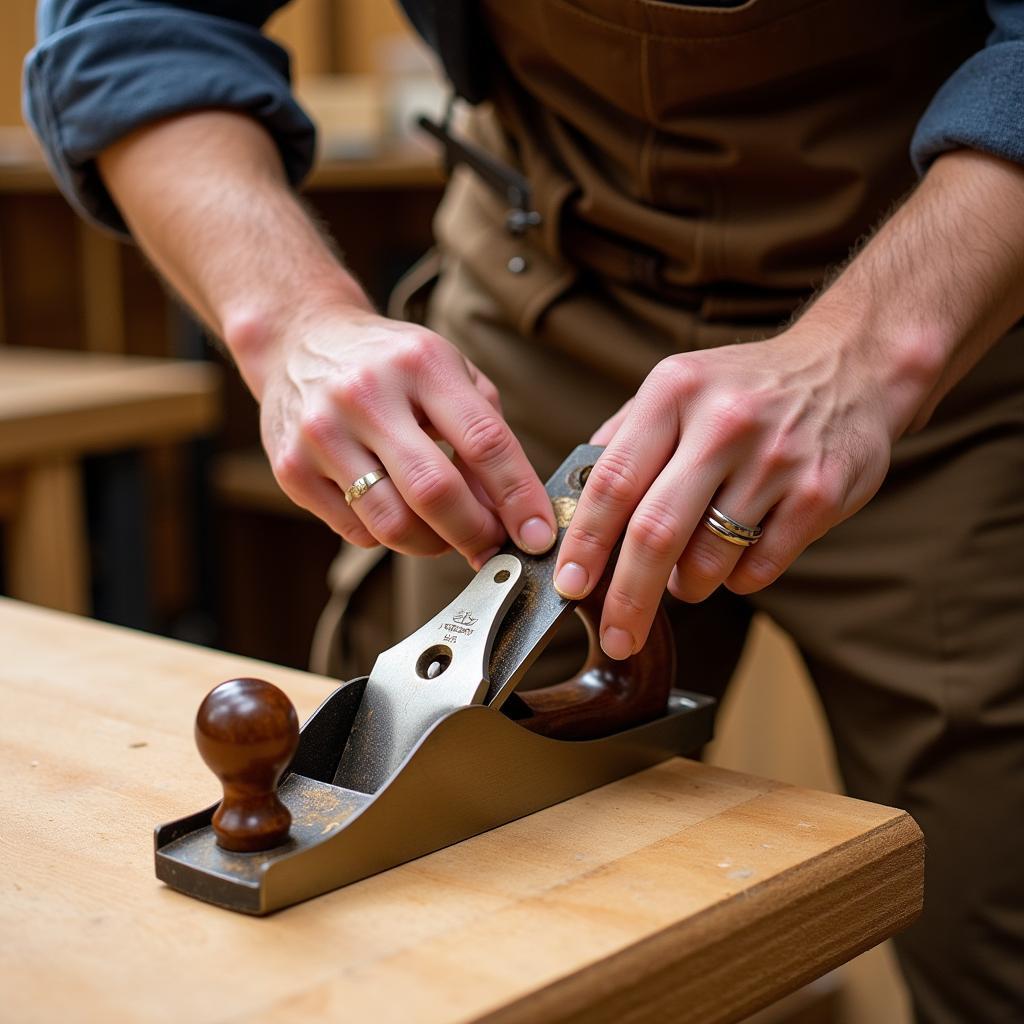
pixel 302 481
pixel 619 479
pixel 386 514
pixel 382 510
pixel 708 560
pixel 474 484
pixel 484 385
pixel 804 515
pixel 485 444
pixel 434 489
pixel 609 428
pixel 658 532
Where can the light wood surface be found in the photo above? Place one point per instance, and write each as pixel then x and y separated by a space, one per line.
pixel 685 893
pixel 772 723
pixel 56 407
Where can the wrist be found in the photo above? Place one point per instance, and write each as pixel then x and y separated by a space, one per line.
pixel 896 355
pixel 257 329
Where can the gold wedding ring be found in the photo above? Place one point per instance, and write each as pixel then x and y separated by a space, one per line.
pixel 363 484
pixel 730 529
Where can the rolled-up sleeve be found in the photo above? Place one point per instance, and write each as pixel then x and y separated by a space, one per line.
pixel 981 106
pixel 102 69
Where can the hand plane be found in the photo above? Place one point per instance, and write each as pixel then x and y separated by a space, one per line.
pixel 434 746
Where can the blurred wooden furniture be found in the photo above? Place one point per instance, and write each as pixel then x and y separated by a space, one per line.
pixel 56 407
pixel 65 284
pixel 96 272
pixel 22 169
pixel 686 892
pixel 243 479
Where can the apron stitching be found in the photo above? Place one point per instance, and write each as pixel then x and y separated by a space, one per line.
pixel 673 38
pixel 713 12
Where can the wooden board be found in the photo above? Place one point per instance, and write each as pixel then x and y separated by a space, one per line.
pixel 55 403
pixel 684 893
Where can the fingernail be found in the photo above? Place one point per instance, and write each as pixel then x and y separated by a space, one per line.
pixel 571 580
pixel 479 561
pixel 616 643
pixel 535 536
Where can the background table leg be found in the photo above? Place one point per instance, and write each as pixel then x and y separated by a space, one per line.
pixel 47 559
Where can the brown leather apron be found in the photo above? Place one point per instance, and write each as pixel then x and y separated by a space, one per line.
pixel 720 159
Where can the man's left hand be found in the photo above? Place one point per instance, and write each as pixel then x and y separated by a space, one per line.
pixel 793 432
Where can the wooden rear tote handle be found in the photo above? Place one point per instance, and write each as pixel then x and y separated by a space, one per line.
pixel 605 696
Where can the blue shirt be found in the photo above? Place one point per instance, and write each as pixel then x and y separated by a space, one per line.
pixel 104 67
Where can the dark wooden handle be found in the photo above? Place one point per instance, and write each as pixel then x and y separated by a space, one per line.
pixel 247 731
pixel 605 696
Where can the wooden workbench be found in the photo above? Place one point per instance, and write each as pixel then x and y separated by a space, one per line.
pixel 684 893
pixel 56 407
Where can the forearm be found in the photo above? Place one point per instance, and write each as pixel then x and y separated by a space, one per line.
pixel 342 390
pixel 938 284
pixel 207 199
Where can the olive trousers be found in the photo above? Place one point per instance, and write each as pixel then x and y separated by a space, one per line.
pixel 909 615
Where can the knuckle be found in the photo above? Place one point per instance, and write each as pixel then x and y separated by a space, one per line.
pixel 613 481
pixel 733 415
pixel 486 439
pixel 393 527
pixel 756 572
pixel 318 428
pixel 704 563
pixel 778 459
pixel 416 352
pixel 655 531
pixel 356 393
pixel 289 468
pixel 476 541
pixel 581 536
pixel 430 488
pixel 819 498
pixel 679 373
pixel 513 494
pixel 625 602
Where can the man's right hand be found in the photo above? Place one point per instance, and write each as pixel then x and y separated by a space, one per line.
pixel 345 391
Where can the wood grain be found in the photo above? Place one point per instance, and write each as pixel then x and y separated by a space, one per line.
pixel 684 893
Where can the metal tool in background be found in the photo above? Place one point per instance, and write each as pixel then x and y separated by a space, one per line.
pixel 419 755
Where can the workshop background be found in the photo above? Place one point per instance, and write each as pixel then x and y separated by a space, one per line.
pixel 132 487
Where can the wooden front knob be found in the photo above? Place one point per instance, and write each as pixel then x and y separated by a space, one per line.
pixel 247 732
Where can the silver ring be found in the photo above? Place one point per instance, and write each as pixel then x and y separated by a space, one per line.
pixel 363 484
pixel 731 530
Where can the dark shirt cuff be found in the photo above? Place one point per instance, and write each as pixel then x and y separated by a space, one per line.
pixel 980 107
pixel 90 84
